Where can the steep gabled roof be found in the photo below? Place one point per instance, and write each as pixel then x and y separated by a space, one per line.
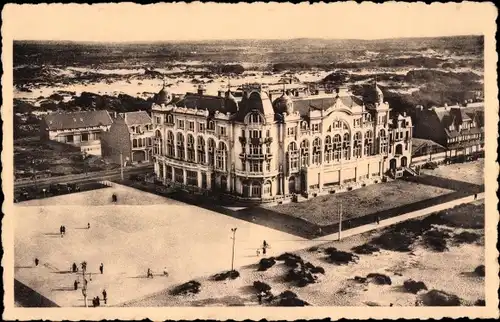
pixel 76 120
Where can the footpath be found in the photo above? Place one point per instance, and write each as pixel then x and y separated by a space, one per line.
pixel 400 218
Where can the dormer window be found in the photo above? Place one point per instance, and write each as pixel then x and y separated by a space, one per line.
pixel 303 125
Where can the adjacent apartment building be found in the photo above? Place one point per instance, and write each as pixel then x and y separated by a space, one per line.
pixel 130 135
pixel 458 128
pixel 260 149
pixel 81 129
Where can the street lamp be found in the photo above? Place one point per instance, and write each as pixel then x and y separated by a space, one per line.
pixel 234 239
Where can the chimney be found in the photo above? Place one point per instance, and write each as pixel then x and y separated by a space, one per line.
pixel 115 115
pixel 201 90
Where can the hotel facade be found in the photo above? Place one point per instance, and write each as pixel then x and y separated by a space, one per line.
pixel 263 149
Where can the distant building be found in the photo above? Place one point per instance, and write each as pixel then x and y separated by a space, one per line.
pixel 81 129
pixel 425 151
pixel 458 128
pixel 130 134
pixel 264 149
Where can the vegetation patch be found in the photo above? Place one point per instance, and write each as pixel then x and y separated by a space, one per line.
pixel 440 298
pixel 480 271
pixel 229 275
pixel 365 249
pixel 339 257
pixel 414 286
pixel 266 263
pixel 191 287
pixel 379 279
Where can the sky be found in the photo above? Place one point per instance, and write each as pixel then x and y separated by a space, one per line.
pixel 196 21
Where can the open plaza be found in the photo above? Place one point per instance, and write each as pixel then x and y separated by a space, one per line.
pixel 145 231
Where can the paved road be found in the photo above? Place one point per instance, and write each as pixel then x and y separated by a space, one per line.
pixel 91 176
pixel 400 218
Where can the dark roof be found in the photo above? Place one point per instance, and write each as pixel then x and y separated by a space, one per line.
pixel 76 120
pixel 139 117
pixel 203 102
pixel 418 143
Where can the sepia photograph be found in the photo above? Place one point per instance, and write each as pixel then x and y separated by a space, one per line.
pixel 189 156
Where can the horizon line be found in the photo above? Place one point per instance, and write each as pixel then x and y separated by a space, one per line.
pixel 241 39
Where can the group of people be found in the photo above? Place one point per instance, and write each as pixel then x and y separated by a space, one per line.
pixel 62 230
pixel 264 248
pixel 96 301
pixel 114 198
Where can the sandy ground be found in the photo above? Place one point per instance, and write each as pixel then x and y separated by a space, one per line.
pixel 323 210
pixel 156 233
pixel 472 172
pixel 450 271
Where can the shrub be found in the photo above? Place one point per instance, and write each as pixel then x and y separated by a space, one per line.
pixel 480 302
pixel 440 298
pixel 365 249
pixel 318 270
pixel 395 241
pixel 226 275
pixel 339 257
pixel 436 243
pixel 289 298
pixel 192 287
pixel 266 263
pixel 379 279
pixel 300 276
pixel 414 286
pixel 261 287
pixel 313 249
pixel 480 270
pixel 466 237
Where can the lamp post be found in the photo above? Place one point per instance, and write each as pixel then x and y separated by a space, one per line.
pixel 234 239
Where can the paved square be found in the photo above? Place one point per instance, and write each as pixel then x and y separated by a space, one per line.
pixel 151 232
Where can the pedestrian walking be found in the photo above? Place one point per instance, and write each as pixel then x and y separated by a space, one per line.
pixel 149 274
pixel 98 301
pixel 105 296
pixel 264 244
pixel 94 302
pixel 101 268
pixel 88 225
pixel 165 273
pixel 263 250
pixel 75 268
pixel 475 196
pixel 36 261
pixel 75 284
pixel 64 230
pixel 377 218
pixel 61 230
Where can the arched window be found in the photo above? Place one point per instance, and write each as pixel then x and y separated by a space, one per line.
pixel 266 188
pixel 200 148
pixel 255 119
pixel 328 149
pixel 180 146
pixel 317 151
pixel 170 144
pixel 221 156
pixel 293 157
pixel 346 146
pixel 256 189
pixel 190 148
pixel 211 151
pixel 383 142
pixel 170 119
pixel 368 143
pixel 357 145
pixel 158 143
pixel 304 153
pixel 211 125
pixel 337 147
pixel 303 126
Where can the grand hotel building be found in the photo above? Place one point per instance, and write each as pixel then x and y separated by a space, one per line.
pixel 259 148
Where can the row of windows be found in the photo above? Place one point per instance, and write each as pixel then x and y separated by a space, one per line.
pixel 465 137
pixel 142 142
pixel 190 125
pixel 141 128
pixel 256 166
